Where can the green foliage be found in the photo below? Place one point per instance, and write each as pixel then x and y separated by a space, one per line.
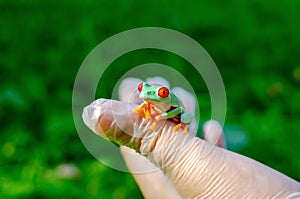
pixel 42 44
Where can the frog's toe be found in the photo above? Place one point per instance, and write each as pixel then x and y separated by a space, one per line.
pixel 176 128
pixel 187 117
pixel 185 130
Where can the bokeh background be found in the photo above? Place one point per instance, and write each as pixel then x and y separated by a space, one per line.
pixel 254 43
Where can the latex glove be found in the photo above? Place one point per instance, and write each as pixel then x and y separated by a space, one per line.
pixel 191 167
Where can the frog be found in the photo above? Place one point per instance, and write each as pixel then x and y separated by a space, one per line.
pixel 159 102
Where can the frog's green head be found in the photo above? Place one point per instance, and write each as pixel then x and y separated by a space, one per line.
pixel 153 93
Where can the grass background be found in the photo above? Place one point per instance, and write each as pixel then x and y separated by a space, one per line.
pixel 255 45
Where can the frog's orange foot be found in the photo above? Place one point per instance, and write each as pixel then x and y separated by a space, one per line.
pixel 139 109
pixel 141 114
pixel 185 130
pixel 176 128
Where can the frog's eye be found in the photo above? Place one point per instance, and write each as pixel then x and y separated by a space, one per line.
pixel 140 87
pixel 163 92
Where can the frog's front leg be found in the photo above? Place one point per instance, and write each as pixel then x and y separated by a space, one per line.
pixel 170 114
pixel 140 110
pixel 147 111
pixel 167 115
pixel 186 118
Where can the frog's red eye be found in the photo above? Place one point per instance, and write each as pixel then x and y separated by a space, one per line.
pixel 163 92
pixel 140 87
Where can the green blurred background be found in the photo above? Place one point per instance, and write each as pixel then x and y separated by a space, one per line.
pixel 254 43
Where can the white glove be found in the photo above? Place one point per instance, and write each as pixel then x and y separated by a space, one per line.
pixel 190 167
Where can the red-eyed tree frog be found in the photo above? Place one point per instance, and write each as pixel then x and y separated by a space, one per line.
pixel 161 103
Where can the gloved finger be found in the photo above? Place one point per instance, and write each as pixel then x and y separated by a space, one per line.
pixel 197 168
pixel 213 133
pixel 116 121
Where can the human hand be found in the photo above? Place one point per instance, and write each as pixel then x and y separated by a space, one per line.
pixel 190 167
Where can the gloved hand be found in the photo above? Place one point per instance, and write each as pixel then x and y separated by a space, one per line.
pixel 189 167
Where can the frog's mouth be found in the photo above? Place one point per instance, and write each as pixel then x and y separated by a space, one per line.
pixel 151 101
pixel 162 106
